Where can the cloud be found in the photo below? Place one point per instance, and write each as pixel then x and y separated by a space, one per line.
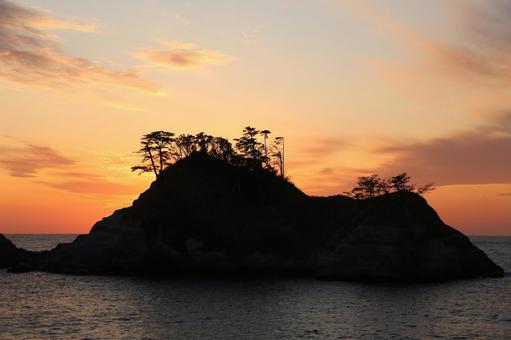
pixel 74 174
pixel 15 15
pixel 30 55
pixel 314 164
pixel 485 57
pixel 325 146
pixel 28 160
pixel 505 194
pixel 470 73
pixel 179 55
pixel 486 53
pixel 313 150
pixel 49 167
pixel 96 186
pixel 489 23
pixel 478 156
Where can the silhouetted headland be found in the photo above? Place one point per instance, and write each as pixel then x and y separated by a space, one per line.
pixel 205 216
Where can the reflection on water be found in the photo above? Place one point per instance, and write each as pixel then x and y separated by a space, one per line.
pixel 38 305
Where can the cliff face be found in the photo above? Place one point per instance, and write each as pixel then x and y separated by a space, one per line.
pixel 205 216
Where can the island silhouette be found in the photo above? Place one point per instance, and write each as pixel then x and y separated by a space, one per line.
pixel 219 209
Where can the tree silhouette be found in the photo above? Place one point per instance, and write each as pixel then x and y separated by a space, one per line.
pixel 426 188
pixel 278 151
pixel 156 151
pixel 159 149
pixel 250 148
pixel 401 182
pixel 374 186
pixel 222 149
pixel 367 187
pixel 265 134
pixel 184 146
pixel 203 142
pixel 383 187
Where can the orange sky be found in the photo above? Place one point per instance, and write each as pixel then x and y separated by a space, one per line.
pixel 354 86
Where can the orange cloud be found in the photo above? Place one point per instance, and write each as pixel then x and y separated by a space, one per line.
pixel 28 160
pixel 31 56
pixel 74 174
pixel 179 55
pixel 91 186
pixel 52 169
pixel 479 156
pixel 316 147
pixel 15 15
pixel 53 23
pixel 325 146
pixel 329 180
pixel 488 23
pixel 486 57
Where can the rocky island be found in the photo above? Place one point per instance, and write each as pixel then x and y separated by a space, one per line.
pixel 206 216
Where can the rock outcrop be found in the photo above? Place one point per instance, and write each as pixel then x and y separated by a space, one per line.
pixel 10 254
pixel 401 238
pixel 205 216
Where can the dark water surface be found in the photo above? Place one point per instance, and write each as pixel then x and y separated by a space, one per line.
pixel 40 305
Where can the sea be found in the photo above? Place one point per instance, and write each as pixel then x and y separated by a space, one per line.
pixel 51 306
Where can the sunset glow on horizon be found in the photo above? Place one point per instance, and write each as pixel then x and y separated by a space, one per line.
pixel 356 88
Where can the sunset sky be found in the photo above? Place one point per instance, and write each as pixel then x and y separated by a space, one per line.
pixel 355 86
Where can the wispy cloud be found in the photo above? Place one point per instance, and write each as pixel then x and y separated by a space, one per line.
pixel 487 55
pixel 74 174
pixel 480 57
pixel 330 180
pixel 314 163
pixel 475 156
pixel 488 22
pixel 30 55
pixel 325 146
pixel 182 55
pixel 27 160
pixel 488 27
pixel 91 186
pixel 50 167
pixel 13 14
pixel 478 156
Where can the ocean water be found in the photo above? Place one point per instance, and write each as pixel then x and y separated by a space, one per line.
pixel 40 305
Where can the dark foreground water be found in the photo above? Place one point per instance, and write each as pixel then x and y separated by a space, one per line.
pixel 40 305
